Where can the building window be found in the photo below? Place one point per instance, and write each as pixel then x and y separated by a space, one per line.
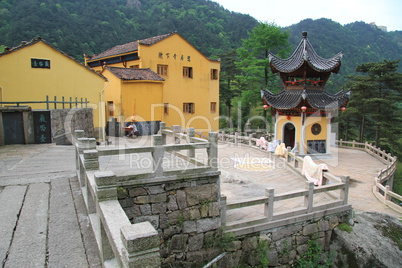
pixel 162 70
pixel 214 74
pixel 110 109
pixel 135 66
pixel 166 108
pixel 213 107
pixel 188 108
pixel 188 72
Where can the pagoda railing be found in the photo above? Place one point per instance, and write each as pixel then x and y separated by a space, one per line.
pixel 383 181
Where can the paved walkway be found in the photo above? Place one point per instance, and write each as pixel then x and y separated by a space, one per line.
pixel 43 222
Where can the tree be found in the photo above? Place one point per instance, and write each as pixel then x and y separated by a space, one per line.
pixel 228 87
pixel 378 102
pixel 254 58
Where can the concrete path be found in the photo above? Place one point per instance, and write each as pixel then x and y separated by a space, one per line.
pixel 43 221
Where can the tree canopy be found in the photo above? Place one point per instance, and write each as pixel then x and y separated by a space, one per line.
pixel 375 108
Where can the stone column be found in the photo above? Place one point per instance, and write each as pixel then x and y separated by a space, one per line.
pixel 213 150
pixel 162 127
pixel 190 135
pixel 157 155
pixel 176 132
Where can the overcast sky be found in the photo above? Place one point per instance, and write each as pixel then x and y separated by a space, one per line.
pixel 287 12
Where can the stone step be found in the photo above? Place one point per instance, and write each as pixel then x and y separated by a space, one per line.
pixel 28 246
pixel 11 200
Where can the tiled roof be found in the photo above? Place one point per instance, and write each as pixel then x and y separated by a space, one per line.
pixel 135 73
pixel 39 39
pixel 317 99
pixel 130 47
pixel 305 53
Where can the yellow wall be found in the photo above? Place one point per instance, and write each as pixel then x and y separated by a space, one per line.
pixel 282 120
pixel 200 89
pixel 112 93
pixel 308 135
pixel 141 101
pixel 310 121
pixel 66 77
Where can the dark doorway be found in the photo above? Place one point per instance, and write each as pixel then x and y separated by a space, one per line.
pixel 13 128
pixel 289 132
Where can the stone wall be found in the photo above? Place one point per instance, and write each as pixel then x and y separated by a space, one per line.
pixel 185 212
pixel 66 121
pixel 280 246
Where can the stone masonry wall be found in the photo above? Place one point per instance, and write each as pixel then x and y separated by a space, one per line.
pixel 66 121
pixel 280 247
pixel 186 214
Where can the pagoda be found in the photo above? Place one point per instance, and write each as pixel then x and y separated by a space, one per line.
pixel 303 110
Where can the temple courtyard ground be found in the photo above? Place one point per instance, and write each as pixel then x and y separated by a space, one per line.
pixel 42 215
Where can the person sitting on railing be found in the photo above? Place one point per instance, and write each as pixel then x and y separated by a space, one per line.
pixel 133 130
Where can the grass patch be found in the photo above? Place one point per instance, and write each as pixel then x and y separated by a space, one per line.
pixel 392 232
pixel 345 227
pixel 397 188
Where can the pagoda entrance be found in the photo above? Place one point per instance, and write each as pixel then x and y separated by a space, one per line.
pixel 289 133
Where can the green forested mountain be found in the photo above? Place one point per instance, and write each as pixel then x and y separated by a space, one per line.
pixel 359 42
pixel 80 27
pixel 91 26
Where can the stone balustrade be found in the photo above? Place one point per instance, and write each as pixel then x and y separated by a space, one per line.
pixel 384 180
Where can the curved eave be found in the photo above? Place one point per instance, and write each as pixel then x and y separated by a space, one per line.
pixel 282 100
pixel 317 99
pixel 305 53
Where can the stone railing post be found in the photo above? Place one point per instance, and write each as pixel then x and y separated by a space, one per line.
pixel 288 156
pixel 353 144
pixel 157 155
pixel 236 138
pixel 387 197
pixel 79 133
pixel 250 143
pixel 223 210
pixel 340 143
pixel 308 199
pixel 213 150
pixel 91 159
pixel 141 245
pixel 176 133
pixel 105 185
pixel 269 207
pixel 190 135
pixel 345 191
pixel 162 127
pixel 82 144
pixel 295 162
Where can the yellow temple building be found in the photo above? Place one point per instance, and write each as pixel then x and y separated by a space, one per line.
pixel 159 79
pixel 36 71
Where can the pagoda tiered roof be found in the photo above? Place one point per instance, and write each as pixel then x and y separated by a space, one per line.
pixel 317 99
pixel 305 54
